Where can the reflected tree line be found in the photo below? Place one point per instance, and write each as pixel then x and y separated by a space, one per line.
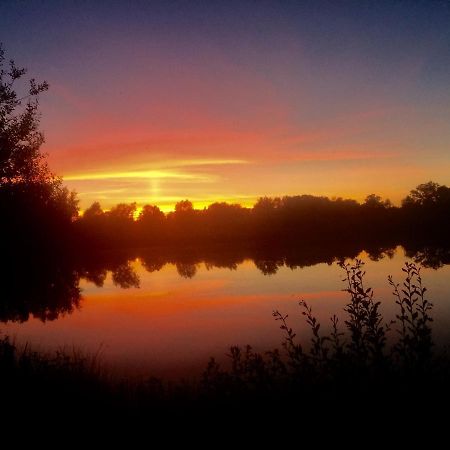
pixel 47 289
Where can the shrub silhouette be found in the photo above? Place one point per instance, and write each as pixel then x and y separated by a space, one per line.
pixel 357 356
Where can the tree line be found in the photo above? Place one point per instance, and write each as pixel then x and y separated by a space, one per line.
pixel 40 214
pixel 272 219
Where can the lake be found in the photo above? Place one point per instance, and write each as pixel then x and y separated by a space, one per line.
pixel 167 316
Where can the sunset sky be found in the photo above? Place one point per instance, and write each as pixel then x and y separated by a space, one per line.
pixel 155 102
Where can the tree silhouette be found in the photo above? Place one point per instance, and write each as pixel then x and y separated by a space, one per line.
pixel 375 201
pixel 184 206
pixel 31 197
pixel 93 212
pixel 22 164
pixel 20 140
pixel 428 194
pixel 150 224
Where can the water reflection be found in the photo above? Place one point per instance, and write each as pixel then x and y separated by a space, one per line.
pixel 49 289
pixel 36 287
pixel 432 257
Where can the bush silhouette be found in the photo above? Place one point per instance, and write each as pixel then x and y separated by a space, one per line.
pixel 357 356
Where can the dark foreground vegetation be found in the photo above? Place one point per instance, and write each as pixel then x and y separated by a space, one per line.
pixel 362 366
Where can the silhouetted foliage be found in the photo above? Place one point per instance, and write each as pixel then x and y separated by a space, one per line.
pixel 375 201
pixel 415 343
pixel 276 221
pixel 186 270
pixel 39 287
pixel 364 322
pixel 33 201
pixel 427 210
pixel 351 364
pixel 428 194
pixel 150 225
pixel 125 277
pixel 20 139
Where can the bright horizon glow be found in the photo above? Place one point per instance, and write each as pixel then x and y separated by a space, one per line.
pixel 168 205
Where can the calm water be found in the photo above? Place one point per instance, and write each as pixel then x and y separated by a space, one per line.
pixel 181 314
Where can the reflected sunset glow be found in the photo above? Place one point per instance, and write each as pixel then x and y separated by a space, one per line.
pixel 171 325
